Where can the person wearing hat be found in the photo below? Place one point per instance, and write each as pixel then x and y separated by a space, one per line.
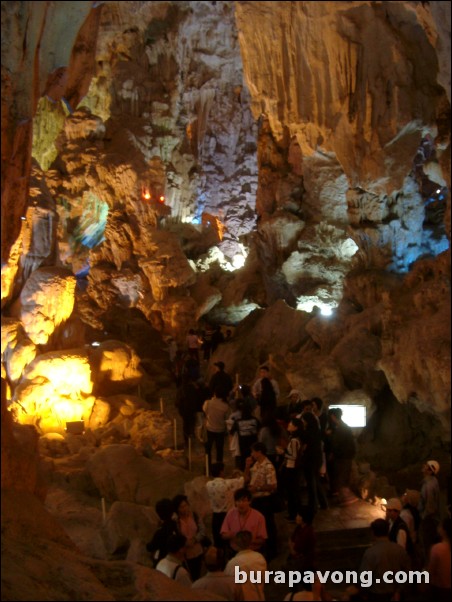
pixel 429 506
pixel 293 408
pixel 220 378
pixel 398 530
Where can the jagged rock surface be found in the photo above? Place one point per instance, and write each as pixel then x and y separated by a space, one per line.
pixel 307 141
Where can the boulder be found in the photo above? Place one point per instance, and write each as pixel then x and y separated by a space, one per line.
pixel 127 522
pixel 121 474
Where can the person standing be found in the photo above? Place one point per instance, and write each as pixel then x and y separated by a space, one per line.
pixel 302 542
pixel 293 408
pixel 398 529
pixel 189 525
pixel 439 564
pixel 157 547
pixel 429 507
pixel 264 372
pixel 382 556
pixel 267 399
pixel 193 343
pixel 272 434
pixel 247 560
pixel 221 496
pixel 207 343
pixel 216 581
pixel 190 398
pixel 242 518
pixel 342 452
pixel 216 411
pixel 313 460
pixel 292 468
pixel 173 564
pixel 247 427
pixel 260 478
pixel 221 378
pixel 410 513
pixel 217 338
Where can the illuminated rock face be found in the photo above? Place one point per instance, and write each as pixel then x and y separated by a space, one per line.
pixel 308 142
pixel 298 137
pixel 46 301
pixel 115 367
pixel 55 389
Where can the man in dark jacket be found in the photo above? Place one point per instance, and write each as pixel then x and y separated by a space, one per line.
pixel 220 379
pixel 190 397
pixel 398 529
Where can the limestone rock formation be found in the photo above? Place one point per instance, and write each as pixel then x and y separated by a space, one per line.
pixel 281 169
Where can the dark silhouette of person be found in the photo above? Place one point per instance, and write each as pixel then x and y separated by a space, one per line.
pixel 221 378
pixel 217 338
pixel 157 547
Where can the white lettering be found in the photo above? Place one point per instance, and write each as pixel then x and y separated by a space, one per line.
pixel 349 577
pixel 365 578
pixel 421 576
pixel 292 576
pixel 255 576
pixel 323 577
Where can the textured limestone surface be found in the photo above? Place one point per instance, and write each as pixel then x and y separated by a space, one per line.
pixel 280 169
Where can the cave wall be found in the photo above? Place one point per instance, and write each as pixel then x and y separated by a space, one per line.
pixel 305 140
pixel 290 131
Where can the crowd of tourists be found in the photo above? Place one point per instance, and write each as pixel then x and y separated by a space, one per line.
pixel 293 456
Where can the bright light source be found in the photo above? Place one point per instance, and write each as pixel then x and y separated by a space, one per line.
pixel 95 344
pixel 145 193
pixel 353 415
pixel 310 304
pixel 238 261
pixel 438 191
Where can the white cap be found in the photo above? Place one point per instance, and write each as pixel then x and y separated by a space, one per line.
pixel 294 392
pixel 433 465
